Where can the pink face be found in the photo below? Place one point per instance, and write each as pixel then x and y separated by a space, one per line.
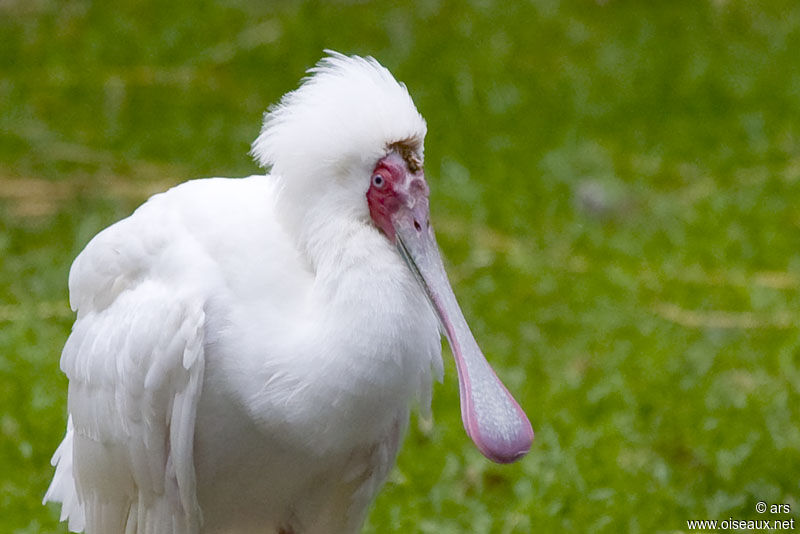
pixel 398 204
pixel 394 187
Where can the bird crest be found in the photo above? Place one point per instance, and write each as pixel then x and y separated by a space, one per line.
pixel 346 114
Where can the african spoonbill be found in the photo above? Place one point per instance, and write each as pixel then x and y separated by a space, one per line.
pixel 246 351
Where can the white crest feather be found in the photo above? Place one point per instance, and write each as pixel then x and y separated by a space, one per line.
pixel 345 113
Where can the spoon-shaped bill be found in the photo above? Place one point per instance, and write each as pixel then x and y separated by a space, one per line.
pixel 492 418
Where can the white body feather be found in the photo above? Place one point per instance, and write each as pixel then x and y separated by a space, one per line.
pixel 246 350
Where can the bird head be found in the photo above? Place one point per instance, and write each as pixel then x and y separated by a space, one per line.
pixel 351 138
pixel 323 139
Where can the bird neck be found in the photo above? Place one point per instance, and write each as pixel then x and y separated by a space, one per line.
pixel 348 256
pixel 326 224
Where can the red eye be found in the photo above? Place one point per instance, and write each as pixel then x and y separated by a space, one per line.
pixel 378 180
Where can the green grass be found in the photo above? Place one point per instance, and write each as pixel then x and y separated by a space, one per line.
pixel 615 185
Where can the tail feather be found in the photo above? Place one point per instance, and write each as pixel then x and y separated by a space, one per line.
pixel 62 488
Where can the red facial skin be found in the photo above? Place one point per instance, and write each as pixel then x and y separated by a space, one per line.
pixel 394 187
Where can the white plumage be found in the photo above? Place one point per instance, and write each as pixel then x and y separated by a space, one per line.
pixel 246 351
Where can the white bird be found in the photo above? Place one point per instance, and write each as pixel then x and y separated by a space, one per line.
pixel 246 351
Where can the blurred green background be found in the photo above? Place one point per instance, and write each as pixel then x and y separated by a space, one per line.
pixel 615 185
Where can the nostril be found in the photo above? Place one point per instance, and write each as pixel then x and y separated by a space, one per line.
pixel 417 225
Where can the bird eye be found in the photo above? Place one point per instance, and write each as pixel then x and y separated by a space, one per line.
pixel 378 180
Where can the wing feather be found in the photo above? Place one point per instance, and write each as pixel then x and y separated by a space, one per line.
pixel 135 361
